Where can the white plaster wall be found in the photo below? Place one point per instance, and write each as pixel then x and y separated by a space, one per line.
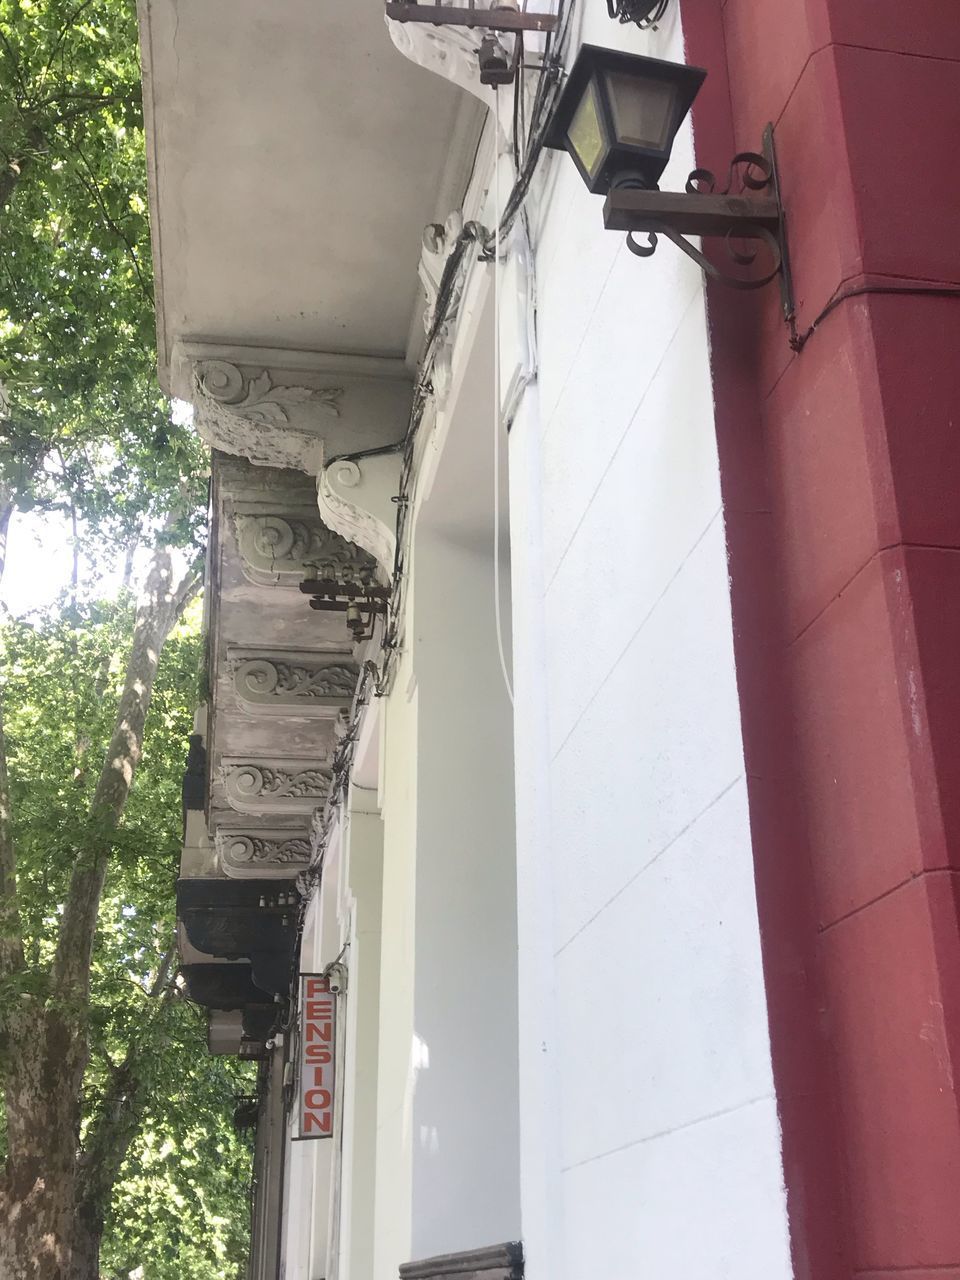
pixel 308 1177
pixel 465 1109
pixel 447 1170
pixel 398 1060
pixel 650 1139
pixel 360 917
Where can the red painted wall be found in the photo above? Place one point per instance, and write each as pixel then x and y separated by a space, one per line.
pixel 841 474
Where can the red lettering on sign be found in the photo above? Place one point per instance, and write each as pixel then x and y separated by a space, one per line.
pixel 317 1059
pixel 317 1124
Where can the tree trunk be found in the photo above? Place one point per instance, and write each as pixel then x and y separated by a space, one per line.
pixel 11 175
pixel 85 1255
pixel 109 1136
pixel 46 1040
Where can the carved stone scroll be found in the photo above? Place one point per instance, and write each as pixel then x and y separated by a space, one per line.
pixel 275 786
pixel 355 497
pixel 298 684
pixel 269 854
pixel 285 550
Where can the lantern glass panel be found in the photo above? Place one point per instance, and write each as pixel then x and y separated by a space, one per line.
pixel 585 133
pixel 643 110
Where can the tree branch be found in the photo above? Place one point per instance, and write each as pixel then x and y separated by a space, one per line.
pixel 11 931
pixel 11 176
pixel 61 36
pixel 94 188
pixel 16 62
pixel 110 1134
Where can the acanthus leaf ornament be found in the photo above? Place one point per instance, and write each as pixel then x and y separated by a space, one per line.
pixel 275 786
pixel 298 684
pixel 284 548
pixel 258 398
pixel 268 853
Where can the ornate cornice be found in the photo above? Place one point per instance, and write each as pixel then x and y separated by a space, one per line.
pixel 290 409
pixel 270 853
pixel 285 549
pixel 301 684
pixel 273 786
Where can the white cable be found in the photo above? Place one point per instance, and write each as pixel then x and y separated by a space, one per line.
pixel 496 400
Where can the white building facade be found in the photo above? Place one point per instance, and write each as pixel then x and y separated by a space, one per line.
pixel 507 816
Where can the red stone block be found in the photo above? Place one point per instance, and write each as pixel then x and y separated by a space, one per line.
pixel 928 28
pixel 804 1081
pixel 884 970
pixel 823 230
pixel 768 46
pixel 830 491
pixel 916 342
pixel 932 690
pixel 900 124
pixel 863 783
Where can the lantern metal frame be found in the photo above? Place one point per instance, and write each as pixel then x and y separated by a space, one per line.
pixel 592 63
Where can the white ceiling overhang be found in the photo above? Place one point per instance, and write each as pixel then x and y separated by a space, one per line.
pixel 294 159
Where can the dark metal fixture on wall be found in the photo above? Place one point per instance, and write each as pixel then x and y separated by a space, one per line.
pixel 498 65
pixel 362 601
pixel 645 13
pixel 505 17
pixel 617 116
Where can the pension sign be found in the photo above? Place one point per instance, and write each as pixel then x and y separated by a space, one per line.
pixel 318 1032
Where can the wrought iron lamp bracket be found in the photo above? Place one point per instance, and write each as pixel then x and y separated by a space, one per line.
pixel 746 223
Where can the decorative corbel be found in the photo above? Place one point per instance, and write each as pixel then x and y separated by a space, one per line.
pixel 250 414
pixel 268 853
pixel 275 785
pixel 356 500
pixel 448 51
pixel 293 683
pixel 286 548
pixel 288 408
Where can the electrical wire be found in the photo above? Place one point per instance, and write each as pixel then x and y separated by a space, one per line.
pixel 378 679
pixel 497 425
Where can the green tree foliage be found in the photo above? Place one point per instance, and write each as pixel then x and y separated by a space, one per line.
pixel 82 421
pixel 178 1207
pixel 85 430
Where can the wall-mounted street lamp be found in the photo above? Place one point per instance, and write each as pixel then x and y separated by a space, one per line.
pixel 617 116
